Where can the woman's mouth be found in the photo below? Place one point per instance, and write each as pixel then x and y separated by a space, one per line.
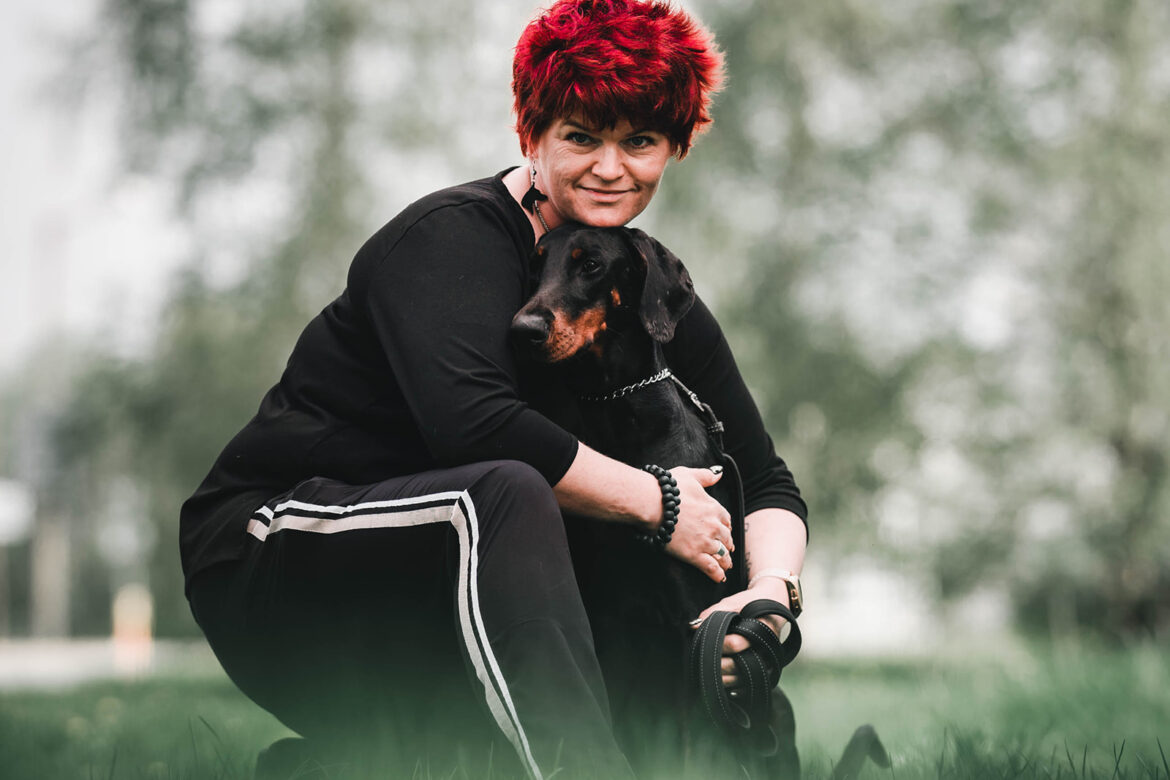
pixel 605 196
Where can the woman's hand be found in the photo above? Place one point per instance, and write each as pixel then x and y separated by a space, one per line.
pixel 702 535
pixel 767 588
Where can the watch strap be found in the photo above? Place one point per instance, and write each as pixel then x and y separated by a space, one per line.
pixel 791 583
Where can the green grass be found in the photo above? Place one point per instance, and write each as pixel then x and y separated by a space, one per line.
pixel 1043 713
pixel 1047 714
pixel 186 728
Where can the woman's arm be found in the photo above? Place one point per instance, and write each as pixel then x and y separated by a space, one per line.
pixel 700 355
pixel 606 489
pixel 775 530
pixel 774 539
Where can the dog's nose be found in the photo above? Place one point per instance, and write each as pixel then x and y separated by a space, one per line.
pixel 531 328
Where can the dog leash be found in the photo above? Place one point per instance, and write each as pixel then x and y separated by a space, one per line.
pixel 714 427
pixel 749 713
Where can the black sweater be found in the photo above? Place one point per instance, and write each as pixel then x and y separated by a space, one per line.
pixel 411 369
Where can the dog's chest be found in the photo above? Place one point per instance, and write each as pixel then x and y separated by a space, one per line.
pixel 659 426
pixel 653 426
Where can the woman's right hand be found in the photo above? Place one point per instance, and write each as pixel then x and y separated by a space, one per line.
pixel 704 526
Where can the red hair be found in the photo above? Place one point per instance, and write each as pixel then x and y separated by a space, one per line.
pixel 608 60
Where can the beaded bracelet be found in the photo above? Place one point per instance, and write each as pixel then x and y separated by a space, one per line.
pixel 670 504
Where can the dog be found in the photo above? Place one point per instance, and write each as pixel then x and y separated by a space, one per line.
pixel 607 300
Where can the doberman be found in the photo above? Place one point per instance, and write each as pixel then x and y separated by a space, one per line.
pixel 607 300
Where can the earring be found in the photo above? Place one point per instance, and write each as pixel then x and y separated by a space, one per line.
pixel 533 195
pixel 532 198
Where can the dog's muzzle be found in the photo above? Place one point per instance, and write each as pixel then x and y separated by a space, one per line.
pixel 531 329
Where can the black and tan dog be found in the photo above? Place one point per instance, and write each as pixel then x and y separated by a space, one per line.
pixel 607 300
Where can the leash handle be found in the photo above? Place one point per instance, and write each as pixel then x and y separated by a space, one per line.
pixel 781 653
pixel 760 665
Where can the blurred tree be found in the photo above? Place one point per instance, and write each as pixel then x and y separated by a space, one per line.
pixel 935 233
pixel 941 229
pixel 255 111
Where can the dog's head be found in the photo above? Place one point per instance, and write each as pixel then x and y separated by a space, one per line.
pixel 591 278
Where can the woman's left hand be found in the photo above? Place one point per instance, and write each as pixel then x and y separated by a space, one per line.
pixel 767 588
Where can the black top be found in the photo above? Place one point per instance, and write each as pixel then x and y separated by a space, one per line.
pixel 411 369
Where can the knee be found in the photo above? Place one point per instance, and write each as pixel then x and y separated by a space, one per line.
pixel 512 499
pixel 518 483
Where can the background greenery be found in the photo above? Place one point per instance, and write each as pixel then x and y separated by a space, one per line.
pixel 935 231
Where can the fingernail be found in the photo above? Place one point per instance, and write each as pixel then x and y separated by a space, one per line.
pixel 716 469
pixel 696 622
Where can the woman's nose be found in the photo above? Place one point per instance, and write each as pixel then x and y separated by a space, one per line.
pixel 609 163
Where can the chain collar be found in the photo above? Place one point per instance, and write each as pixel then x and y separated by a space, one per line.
pixel 621 392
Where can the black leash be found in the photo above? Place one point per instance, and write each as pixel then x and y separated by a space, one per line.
pixel 750 712
pixel 714 428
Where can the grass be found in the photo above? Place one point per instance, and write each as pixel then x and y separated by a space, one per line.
pixel 1045 713
pixel 1051 713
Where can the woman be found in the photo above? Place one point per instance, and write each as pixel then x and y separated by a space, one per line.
pixel 392 515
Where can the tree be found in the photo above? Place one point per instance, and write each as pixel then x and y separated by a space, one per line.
pixel 942 227
pixel 319 111
pixel 933 232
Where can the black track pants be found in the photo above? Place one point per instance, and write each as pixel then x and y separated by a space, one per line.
pixel 418 614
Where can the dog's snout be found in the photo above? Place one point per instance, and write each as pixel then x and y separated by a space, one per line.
pixel 531 327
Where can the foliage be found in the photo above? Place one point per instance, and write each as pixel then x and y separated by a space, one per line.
pixel 941 232
pixel 934 231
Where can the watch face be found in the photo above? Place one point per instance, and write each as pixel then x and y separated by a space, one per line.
pixel 795 596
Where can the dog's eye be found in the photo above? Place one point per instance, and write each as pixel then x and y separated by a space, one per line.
pixel 590 266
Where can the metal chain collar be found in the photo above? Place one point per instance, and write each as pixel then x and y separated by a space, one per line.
pixel 621 392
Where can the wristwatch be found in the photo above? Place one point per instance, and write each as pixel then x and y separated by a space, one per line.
pixel 791 583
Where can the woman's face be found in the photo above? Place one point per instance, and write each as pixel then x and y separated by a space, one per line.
pixel 602 177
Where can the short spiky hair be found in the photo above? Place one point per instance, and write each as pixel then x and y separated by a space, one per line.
pixel 607 60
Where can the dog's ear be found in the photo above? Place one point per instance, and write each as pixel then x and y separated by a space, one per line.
pixel 668 292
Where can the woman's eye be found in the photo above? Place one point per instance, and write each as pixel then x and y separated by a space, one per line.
pixel 579 138
pixel 640 142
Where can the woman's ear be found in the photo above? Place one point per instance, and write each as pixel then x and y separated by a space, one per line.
pixel 668 292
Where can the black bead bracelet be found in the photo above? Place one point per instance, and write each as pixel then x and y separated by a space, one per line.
pixel 670 504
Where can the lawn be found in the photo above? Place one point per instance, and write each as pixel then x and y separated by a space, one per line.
pixel 1067 713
